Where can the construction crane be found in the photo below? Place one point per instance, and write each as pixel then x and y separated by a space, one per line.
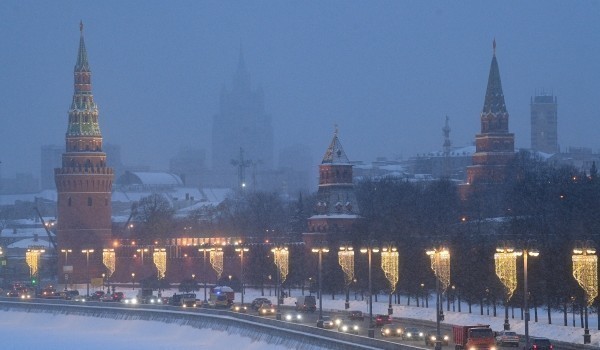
pixel 48 232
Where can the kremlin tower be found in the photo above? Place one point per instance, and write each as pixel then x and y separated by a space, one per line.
pixel 84 184
pixel 336 209
pixel 495 146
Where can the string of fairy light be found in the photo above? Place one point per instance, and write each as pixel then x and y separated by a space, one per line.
pixel 216 261
pixel 346 261
pixel 505 261
pixel 281 256
pixel 389 265
pixel 159 256
pixel 32 257
pixel 109 260
pixel 585 272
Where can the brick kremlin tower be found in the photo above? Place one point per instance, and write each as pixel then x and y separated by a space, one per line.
pixel 83 184
pixel 495 146
pixel 336 209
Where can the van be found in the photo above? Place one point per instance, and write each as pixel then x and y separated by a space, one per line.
pixel 306 303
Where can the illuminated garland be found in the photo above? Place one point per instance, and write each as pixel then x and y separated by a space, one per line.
pixel 216 260
pixel 585 271
pixel 440 264
pixel 506 270
pixel 346 261
pixel 108 259
pixel 389 265
pixel 32 256
pixel 281 256
pixel 160 260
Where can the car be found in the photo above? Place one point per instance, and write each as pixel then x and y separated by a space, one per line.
pixel 79 298
pixel 116 296
pixel 130 301
pixel 293 317
pixel 391 330
pixel 266 309
pixel 431 338
pixel 306 303
pixel 507 338
pixel 380 320
pixel 325 322
pixel 536 343
pixel 413 333
pixel 356 315
pixel 150 299
pixel 239 308
pixel 12 293
pixel 69 294
pixel 348 327
pixel 97 295
pixel 256 303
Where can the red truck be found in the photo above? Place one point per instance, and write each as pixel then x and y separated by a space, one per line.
pixel 478 337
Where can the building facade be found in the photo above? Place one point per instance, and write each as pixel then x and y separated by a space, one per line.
pixel 544 124
pixel 83 183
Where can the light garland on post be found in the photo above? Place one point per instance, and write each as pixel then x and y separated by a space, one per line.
pixel 346 261
pixel 108 259
pixel 440 264
pixel 216 260
pixel 585 271
pixel 32 257
pixel 389 265
pixel 160 260
pixel 281 256
pixel 505 261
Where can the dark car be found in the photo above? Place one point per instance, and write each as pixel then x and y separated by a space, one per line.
pixel 431 338
pixel 356 315
pixel 97 295
pixel 348 327
pixel 266 308
pixel 256 303
pixel 540 344
pixel 391 330
pixel 413 333
pixel 114 297
pixel 13 293
pixel 69 294
pixel 380 320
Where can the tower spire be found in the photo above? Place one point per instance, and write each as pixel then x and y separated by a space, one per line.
pixel 82 64
pixel 494 97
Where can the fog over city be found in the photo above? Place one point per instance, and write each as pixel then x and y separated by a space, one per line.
pixel 386 72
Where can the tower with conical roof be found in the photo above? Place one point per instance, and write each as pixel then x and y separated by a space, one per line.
pixel 83 183
pixel 336 209
pixel 494 145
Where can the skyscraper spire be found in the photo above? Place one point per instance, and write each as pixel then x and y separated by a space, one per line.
pixel 242 77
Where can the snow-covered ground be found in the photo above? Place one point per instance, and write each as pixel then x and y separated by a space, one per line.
pixel 37 330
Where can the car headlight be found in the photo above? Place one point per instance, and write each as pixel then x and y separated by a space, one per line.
pixel 420 334
pixel 355 327
pixel 288 317
pixel 409 334
pixel 299 317
pixel 474 348
pixel 387 331
pixel 344 328
pixel 432 338
pixel 337 322
pixel 493 348
pixel 446 338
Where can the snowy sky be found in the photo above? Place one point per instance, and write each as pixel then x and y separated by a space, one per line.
pixel 60 331
pixel 385 71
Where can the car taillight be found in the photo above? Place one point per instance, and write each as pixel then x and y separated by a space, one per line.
pixel 551 347
pixel 534 347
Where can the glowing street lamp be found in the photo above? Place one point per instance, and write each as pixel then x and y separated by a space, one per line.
pixel 87 253
pixel 66 252
pixel 320 251
pixel 241 250
pixel 369 251
pixel 281 256
pixel 142 251
pixel 346 261
pixel 389 265
pixel 132 280
pixel 525 253
pixel 585 271
pixel 505 260
pixel 440 264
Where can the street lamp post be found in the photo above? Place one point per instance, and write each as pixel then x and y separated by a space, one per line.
pixel 440 263
pixel 320 251
pixel 241 250
pixel 204 250
pixel 369 250
pixel 281 257
pixel 505 261
pixel 525 253
pixel 66 252
pixel 346 260
pixel 103 277
pixel 142 251
pixel 133 281
pixel 585 271
pixel 87 253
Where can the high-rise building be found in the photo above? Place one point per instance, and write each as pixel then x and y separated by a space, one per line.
pixel 83 183
pixel 51 159
pixel 242 134
pixel 544 124
pixel 336 208
pixel 189 164
pixel 495 145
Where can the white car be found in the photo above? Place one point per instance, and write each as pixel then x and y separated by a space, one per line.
pixel 130 301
